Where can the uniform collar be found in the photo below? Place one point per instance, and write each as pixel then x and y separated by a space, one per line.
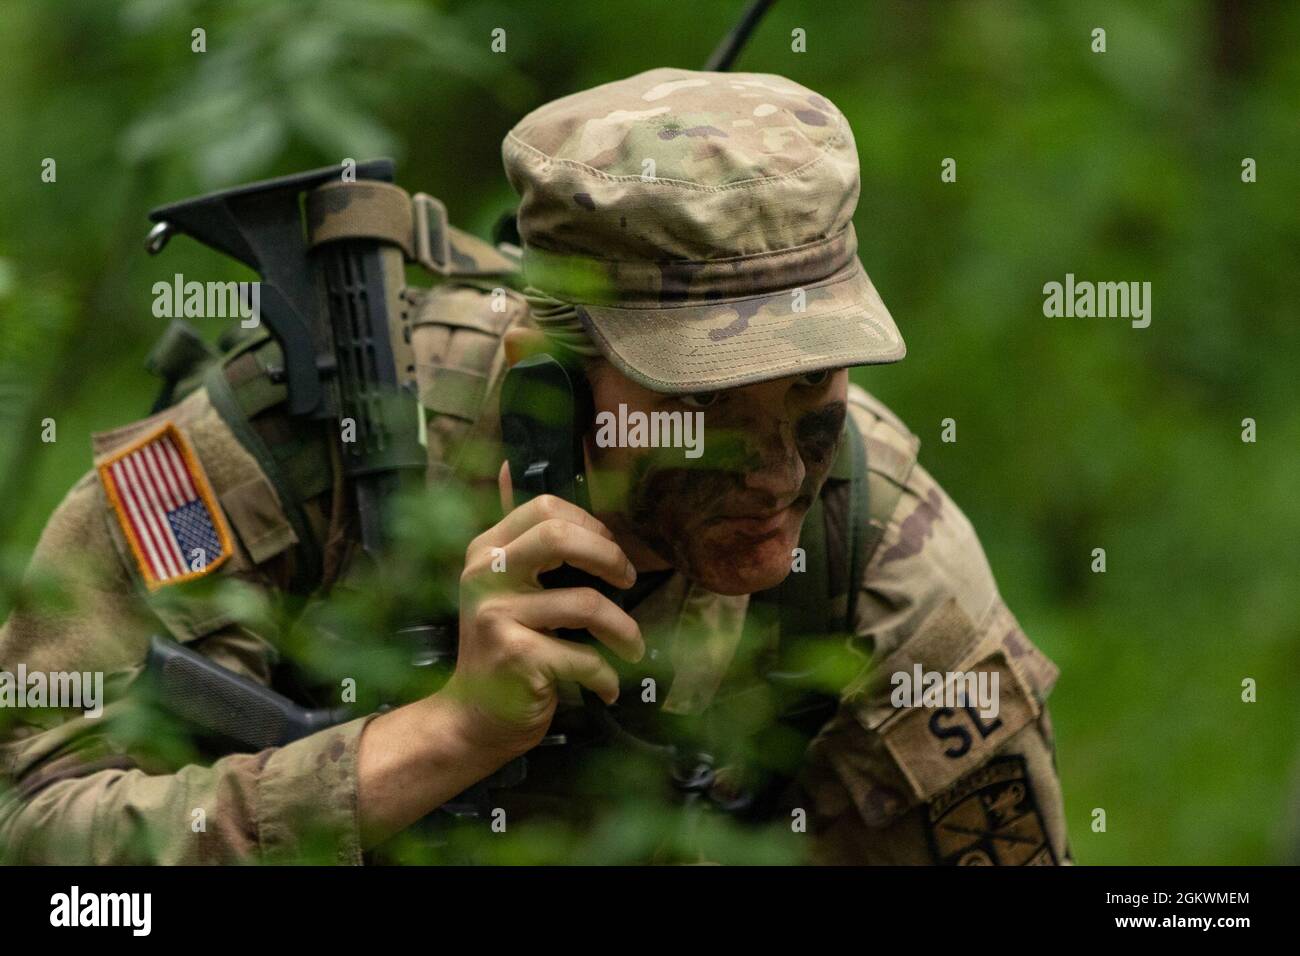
pixel 699 630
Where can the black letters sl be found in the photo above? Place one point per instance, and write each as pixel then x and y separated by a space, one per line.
pixel 962 746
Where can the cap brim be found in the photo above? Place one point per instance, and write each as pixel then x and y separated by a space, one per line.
pixel 695 347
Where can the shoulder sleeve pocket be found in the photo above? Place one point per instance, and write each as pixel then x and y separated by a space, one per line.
pixel 255 513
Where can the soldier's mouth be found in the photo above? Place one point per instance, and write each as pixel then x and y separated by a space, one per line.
pixel 762 524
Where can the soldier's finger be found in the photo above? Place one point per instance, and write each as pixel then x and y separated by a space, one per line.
pixel 506 487
pixel 581 663
pixel 534 512
pixel 555 542
pixel 581 608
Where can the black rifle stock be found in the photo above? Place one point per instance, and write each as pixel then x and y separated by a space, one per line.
pixel 336 310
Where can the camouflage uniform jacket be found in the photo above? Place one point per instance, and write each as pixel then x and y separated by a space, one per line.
pixel 884 785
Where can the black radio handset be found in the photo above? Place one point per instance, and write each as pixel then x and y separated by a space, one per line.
pixel 545 409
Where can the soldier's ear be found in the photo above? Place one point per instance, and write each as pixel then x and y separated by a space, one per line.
pixel 520 343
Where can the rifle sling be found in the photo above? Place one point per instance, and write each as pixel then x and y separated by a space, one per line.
pixel 368 209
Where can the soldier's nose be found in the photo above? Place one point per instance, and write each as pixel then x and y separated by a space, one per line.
pixel 780 472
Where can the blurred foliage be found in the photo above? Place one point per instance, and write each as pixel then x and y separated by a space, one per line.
pixel 1073 434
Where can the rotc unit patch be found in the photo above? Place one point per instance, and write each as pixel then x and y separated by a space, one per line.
pixel 990 819
pixel 166 508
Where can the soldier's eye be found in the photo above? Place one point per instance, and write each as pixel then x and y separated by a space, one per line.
pixel 701 399
pixel 815 378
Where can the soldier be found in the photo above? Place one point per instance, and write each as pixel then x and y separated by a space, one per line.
pixel 688 243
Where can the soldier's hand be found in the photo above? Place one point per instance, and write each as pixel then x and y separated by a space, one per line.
pixel 509 658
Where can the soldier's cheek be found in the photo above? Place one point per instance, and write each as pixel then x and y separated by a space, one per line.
pixel 817 437
pixel 659 506
pixel 665 479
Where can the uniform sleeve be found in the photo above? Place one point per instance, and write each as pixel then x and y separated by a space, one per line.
pixel 92 806
pixel 83 612
pixel 72 793
pixel 902 780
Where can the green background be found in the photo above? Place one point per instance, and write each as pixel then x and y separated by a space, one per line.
pixel 1072 434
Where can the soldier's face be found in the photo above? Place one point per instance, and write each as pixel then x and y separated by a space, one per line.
pixel 729 518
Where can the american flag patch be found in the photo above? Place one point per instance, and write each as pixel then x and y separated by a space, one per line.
pixel 166 508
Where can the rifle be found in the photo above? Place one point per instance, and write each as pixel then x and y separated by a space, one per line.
pixel 331 292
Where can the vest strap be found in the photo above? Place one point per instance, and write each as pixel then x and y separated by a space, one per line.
pixel 308 567
pixel 861 526
pixel 458 392
pixel 303 455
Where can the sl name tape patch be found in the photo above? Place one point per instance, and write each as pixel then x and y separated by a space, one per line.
pixel 166 508
pixel 934 746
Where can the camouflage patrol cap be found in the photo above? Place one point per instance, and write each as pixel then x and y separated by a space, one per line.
pixel 684 212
